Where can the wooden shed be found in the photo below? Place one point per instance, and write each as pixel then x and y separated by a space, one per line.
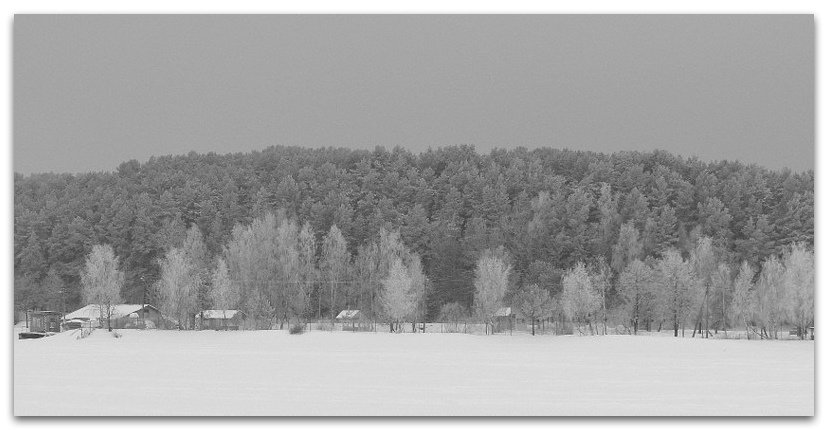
pixel 221 319
pixel 44 321
pixel 351 320
pixel 504 320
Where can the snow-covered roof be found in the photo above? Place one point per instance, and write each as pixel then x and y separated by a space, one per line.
pixel 348 314
pixel 92 312
pixel 503 312
pixel 220 313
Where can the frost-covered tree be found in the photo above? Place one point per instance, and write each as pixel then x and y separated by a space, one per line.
pixel 628 247
pixel 307 271
pixel 600 274
pixel 334 265
pixel 52 291
pixel 799 285
pixel 419 286
pixel 743 302
pixel 636 289
pixel 491 280
pixel 452 314
pixel 198 260
pixel 770 297
pixel 366 274
pixel 252 262
pixel 178 287
pixel 535 303
pixel 722 289
pixel 675 296
pixel 579 299
pixel 703 261
pixel 398 296
pixel 225 294
pixel 288 292
pixel 101 281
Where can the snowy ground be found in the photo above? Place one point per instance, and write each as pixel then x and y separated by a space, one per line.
pixel 344 373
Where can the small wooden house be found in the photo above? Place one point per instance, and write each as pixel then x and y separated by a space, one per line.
pixel 220 319
pixel 124 316
pixel 44 321
pixel 504 320
pixel 351 320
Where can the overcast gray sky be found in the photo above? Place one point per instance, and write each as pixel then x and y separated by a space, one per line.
pixel 93 91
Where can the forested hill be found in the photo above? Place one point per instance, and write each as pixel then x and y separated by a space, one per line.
pixel 549 208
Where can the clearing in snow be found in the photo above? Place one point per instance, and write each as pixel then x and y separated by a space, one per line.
pixel 336 373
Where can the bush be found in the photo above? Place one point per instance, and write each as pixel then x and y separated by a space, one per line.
pixel 324 325
pixel 297 329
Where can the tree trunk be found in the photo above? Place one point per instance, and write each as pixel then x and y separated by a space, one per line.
pixel 533 326
pixel 675 327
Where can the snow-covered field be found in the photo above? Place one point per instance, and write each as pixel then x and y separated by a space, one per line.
pixel 344 373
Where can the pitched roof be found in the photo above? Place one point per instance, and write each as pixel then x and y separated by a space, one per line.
pixel 220 313
pixel 348 314
pixel 93 311
pixel 503 312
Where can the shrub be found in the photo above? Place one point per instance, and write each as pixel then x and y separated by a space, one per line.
pixel 324 326
pixel 297 329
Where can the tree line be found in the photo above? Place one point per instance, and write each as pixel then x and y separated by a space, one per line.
pixel 546 210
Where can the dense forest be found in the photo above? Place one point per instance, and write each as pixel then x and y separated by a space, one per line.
pixel 548 213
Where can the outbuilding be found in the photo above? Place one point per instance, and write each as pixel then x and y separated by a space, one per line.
pixel 351 320
pixel 221 319
pixel 44 321
pixel 504 320
pixel 124 316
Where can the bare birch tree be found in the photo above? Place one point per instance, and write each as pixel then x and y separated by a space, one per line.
pixel 743 302
pixel 491 279
pixel 398 296
pixel 334 264
pixel 675 293
pixel 225 294
pixel 177 288
pixel 579 299
pixel 101 281
pixel 799 283
pixel 770 297
pixel 308 273
pixel 635 287
pixel 535 303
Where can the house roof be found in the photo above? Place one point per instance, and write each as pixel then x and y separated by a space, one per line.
pixel 93 311
pixel 503 312
pixel 220 313
pixel 348 314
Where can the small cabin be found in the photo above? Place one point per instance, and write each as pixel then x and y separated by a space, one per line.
pixel 44 321
pixel 124 316
pixel 504 320
pixel 220 319
pixel 351 320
